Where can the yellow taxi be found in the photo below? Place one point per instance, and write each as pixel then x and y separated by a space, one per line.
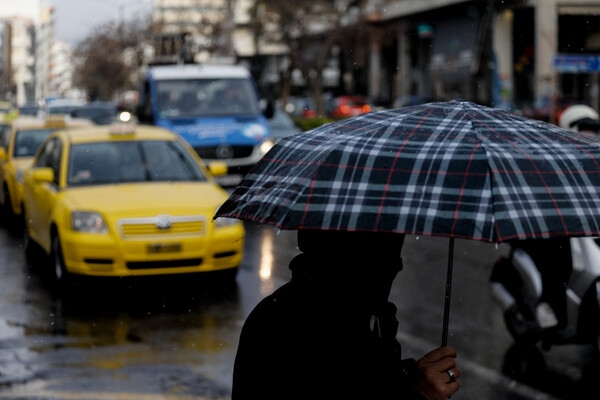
pixel 7 111
pixel 127 200
pixel 19 140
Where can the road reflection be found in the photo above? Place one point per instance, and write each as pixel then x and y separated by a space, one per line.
pixel 167 335
pixel 189 310
pixel 266 263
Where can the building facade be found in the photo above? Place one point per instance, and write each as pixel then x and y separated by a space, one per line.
pixel 503 53
pixel 7 91
pixel 29 48
pixel 209 24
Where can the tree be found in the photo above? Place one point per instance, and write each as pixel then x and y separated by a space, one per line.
pixel 309 28
pixel 110 57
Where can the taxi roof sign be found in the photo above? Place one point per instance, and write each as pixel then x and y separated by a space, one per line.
pixel 55 121
pixel 120 129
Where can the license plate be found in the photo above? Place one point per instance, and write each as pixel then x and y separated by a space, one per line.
pixel 155 248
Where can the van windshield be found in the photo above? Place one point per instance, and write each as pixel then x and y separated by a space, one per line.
pixel 206 97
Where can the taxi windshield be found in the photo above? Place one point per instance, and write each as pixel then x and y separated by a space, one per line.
pixel 206 97
pixel 28 141
pixel 131 161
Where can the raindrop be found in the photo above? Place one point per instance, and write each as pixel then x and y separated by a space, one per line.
pixel 496 245
pixel 417 238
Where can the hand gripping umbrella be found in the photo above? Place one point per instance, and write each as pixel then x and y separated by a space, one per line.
pixel 453 169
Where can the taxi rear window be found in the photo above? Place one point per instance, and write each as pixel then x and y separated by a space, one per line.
pixel 131 161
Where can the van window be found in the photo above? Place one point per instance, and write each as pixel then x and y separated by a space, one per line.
pixel 206 97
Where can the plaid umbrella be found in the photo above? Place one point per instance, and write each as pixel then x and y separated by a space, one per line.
pixel 454 169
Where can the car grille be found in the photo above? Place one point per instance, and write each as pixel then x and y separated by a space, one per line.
pixel 223 259
pixel 162 225
pixel 192 262
pixel 211 153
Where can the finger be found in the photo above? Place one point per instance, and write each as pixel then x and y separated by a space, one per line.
pixel 456 372
pixel 449 389
pixel 452 388
pixel 443 387
pixel 439 353
pixel 443 364
pixel 452 374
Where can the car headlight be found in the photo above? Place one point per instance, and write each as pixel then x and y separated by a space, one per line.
pixel 266 146
pixel 86 221
pixel 222 222
pixel 19 174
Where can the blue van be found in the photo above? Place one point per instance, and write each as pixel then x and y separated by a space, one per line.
pixel 215 108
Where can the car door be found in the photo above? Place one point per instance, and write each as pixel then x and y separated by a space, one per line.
pixel 5 132
pixel 42 200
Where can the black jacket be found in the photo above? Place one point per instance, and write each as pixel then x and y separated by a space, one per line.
pixel 317 337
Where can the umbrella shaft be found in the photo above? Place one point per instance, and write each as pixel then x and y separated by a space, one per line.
pixel 448 292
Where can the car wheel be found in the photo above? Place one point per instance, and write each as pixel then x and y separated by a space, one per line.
pixel 60 273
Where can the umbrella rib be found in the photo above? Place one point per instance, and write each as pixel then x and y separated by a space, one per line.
pixel 537 172
pixel 390 173
pixel 462 189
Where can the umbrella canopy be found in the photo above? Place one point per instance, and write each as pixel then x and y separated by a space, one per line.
pixel 454 169
pixel 450 169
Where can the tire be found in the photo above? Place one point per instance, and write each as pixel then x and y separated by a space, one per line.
pixel 59 272
pixel 524 363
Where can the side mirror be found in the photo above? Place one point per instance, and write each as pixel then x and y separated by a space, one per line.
pixel 217 168
pixel 41 175
pixel 2 154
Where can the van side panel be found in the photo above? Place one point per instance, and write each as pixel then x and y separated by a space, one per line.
pixel 216 109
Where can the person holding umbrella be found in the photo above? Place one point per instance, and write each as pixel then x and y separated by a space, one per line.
pixel 331 333
pixel 453 169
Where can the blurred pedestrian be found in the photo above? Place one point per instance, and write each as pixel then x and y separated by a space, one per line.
pixel 330 333
pixel 589 126
pixel 580 118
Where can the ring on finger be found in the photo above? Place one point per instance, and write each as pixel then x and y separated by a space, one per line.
pixel 451 375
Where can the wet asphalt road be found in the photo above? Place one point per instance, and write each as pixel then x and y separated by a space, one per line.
pixel 176 338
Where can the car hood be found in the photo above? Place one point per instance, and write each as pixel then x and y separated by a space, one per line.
pixel 212 131
pixel 148 199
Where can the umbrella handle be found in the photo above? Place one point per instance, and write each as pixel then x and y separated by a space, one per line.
pixel 448 292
